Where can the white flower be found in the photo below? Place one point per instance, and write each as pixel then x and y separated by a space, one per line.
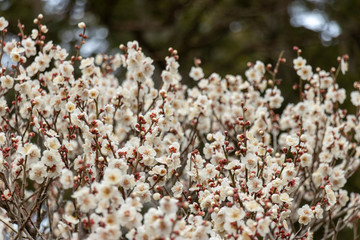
pixel 7 81
pixel 292 140
pixel 177 189
pixel 85 200
pixel 93 93
pixel 196 73
pixel 208 172
pixel 81 25
pixel 337 178
pixel 148 154
pixel 32 69
pixel 250 161
pixel 3 106
pixel 306 160
pixel 7 194
pixel 15 54
pixel 87 62
pixel 29 45
pixel 330 195
pixel 112 176
pixel 289 172
pixel 305 72
pixel 52 143
pixel 2 139
pixel 127 181
pixel 31 151
pixel 260 67
pixel 51 158
pixel 66 69
pixel 168 206
pixel 34 33
pixel 3 23
pixel 263 226
pixel 70 107
pixel 355 98
pixel 319 211
pixel 305 215
pixel 284 197
pixel 44 29
pixel 344 66
pixel 37 172
pixel 10 46
pixel 252 206
pixel 299 63
pixel 66 179
pixel 234 214
pixel 253 75
pixel 126 214
pixel 105 191
pixel 255 185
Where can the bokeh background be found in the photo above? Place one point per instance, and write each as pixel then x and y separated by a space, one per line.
pixel 224 34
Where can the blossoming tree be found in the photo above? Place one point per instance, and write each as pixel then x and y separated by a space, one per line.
pixel 86 155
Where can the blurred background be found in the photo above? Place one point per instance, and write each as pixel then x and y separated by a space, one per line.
pixel 224 34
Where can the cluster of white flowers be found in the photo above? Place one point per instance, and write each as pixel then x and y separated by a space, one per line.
pixel 86 155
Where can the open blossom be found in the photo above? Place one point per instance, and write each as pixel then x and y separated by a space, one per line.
pixel 305 215
pixel 250 161
pixel 263 226
pixel 196 73
pixel 31 151
pixel 37 172
pixel 113 176
pixel 299 62
pixel 16 54
pixel 85 200
pixel 252 206
pixel 255 185
pixel 70 107
pixel 66 69
pixel 168 206
pixel 67 179
pixel 330 195
pixel 126 214
pixel 305 72
pixel 292 140
pixel 177 189
pixel 284 197
pixel 355 98
pixel 93 93
pixel 7 81
pixel 306 160
pixel 235 214
pixel 3 23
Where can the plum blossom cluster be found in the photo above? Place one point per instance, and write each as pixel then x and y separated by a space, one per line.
pixel 86 155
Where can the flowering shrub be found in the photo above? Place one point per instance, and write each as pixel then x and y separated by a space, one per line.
pixel 86 156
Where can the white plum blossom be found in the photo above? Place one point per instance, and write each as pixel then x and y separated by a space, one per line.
pixel 299 63
pixel 196 73
pixel 7 81
pixel 67 179
pixel 92 154
pixel 305 72
pixel 305 215
pixel 3 23
pixel 38 172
